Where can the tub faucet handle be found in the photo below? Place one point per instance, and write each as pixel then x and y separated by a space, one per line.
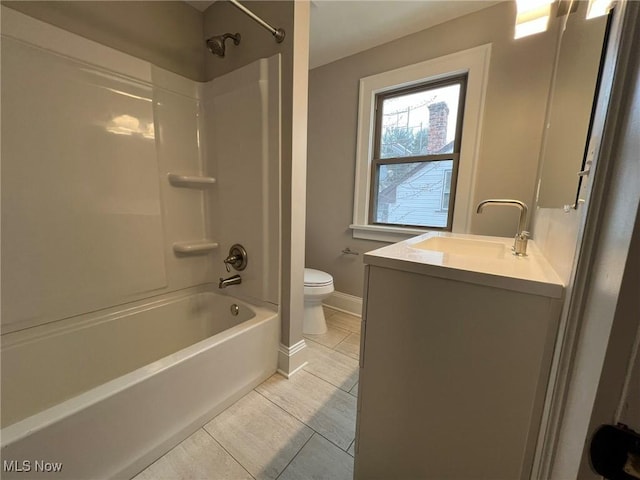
pixel 227 261
pixel 237 258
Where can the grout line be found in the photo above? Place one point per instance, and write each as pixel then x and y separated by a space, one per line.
pixel 349 332
pixel 352 442
pixel 341 342
pixel 309 426
pixel 318 343
pixel 302 421
pixel 353 394
pixel 348 355
pixel 319 378
pixel 338 352
pixel 346 329
pixel 297 453
pixel 332 384
pixel 285 411
pixel 337 446
pixel 330 327
pixel 228 452
pixel 167 453
pixel 343 364
pixel 297 418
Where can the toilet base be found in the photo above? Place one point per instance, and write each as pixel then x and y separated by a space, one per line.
pixel 314 322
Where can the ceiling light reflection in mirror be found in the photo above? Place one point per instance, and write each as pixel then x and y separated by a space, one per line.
pixel 597 8
pixel 533 17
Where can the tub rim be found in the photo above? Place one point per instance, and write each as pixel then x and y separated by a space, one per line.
pixel 77 322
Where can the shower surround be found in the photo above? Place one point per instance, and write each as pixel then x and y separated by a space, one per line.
pixel 113 172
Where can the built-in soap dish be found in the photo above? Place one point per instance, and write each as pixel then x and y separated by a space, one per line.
pixel 194 248
pixel 190 181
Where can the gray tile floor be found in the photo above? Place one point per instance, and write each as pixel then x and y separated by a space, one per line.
pixel 296 429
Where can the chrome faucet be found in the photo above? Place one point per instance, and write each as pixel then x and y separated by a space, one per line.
pixel 225 282
pixel 520 242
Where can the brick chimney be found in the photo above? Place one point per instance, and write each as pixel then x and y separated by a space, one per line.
pixel 438 120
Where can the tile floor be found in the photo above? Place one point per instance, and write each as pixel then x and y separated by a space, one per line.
pixel 295 429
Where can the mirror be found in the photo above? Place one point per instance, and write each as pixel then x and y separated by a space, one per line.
pixel 569 115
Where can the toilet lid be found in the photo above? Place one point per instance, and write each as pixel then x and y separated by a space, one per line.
pixel 316 278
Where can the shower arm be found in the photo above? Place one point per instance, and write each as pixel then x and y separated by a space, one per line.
pixel 278 33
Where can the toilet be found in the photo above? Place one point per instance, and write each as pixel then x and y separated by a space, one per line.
pixel 318 285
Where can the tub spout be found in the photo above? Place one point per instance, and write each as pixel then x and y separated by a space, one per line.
pixel 225 282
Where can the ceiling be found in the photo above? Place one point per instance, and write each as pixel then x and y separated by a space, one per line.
pixel 340 28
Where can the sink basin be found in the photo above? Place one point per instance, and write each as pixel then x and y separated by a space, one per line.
pixel 463 246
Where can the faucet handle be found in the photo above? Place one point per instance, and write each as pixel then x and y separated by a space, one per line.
pixel 523 235
pixel 237 258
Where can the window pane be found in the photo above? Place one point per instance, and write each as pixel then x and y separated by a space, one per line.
pixel 420 123
pixel 412 193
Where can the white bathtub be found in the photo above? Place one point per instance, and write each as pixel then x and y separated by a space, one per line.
pixel 107 394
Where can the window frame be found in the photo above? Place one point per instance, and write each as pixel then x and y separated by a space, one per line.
pixel 377 161
pixel 475 63
pixel 452 188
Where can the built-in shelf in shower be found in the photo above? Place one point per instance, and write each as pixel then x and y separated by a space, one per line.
pixel 190 181
pixel 201 246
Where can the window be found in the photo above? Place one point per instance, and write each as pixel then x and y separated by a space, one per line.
pixel 417 140
pixel 396 168
pixel 446 189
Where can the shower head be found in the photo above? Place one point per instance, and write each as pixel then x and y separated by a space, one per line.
pixel 216 46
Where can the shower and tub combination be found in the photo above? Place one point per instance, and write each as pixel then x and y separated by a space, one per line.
pixel 120 205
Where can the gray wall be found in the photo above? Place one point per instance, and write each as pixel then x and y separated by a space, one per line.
pixel 519 79
pixel 167 34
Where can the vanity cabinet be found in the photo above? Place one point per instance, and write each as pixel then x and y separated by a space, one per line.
pixel 453 368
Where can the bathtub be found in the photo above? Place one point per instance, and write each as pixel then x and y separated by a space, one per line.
pixel 104 395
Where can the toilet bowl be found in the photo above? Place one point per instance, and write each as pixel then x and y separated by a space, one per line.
pixel 318 285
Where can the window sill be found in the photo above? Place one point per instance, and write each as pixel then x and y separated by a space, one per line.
pixel 384 233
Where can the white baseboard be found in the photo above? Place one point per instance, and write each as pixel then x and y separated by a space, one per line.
pixel 292 359
pixel 344 302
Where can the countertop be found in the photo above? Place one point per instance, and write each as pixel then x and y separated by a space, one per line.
pixel 531 274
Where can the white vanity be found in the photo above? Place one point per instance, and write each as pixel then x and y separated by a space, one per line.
pixel 457 341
